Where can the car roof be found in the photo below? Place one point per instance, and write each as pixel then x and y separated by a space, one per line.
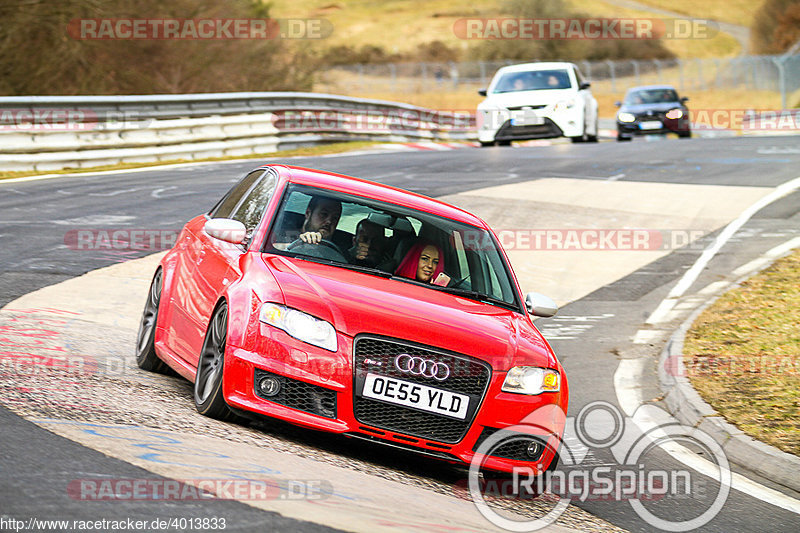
pixel 376 191
pixel 527 67
pixel 655 87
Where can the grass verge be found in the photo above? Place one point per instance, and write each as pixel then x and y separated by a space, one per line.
pixel 742 355
pixel 333 148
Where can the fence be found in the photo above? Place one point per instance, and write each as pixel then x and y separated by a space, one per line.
pixel 748 72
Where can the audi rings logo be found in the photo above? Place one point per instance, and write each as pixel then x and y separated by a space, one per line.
pixel 417 366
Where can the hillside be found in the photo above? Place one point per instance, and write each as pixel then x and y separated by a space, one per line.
pixel 400 26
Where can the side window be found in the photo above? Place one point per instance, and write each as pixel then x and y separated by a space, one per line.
pixel 225 207
pixel 252 207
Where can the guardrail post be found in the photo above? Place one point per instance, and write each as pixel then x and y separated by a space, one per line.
pixel 612 74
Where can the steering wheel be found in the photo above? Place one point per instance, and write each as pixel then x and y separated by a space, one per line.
pixel 325 249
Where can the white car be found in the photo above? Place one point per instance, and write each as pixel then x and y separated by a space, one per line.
pixel 537 101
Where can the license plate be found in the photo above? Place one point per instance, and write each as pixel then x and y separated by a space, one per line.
pixel 650 125
pixel 527 121
pixel 415 395
pixel 527 118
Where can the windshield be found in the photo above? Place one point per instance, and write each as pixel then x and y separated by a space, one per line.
pixel 651 96
pixel 533 80
pixel 394 242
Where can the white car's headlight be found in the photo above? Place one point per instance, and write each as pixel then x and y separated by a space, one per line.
pixel 674 113
pixel 531 380
pixel 626 117
pixel 563 105
pixel 299 325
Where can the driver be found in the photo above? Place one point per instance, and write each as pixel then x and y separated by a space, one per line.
pixel 322 217
pixel 320 221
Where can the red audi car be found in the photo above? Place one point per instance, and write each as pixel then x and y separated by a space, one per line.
pixel 348 306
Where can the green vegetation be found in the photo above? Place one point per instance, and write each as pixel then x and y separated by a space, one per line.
pixel 743 355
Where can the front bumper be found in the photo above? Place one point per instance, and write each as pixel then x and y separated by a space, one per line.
pixel 321 375
pixel 632 129
pixel 518 125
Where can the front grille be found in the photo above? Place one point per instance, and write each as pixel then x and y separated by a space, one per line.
pixel 512 445
pixel 507 132
pixel 376 355
pixel 299 395
pixel 520 108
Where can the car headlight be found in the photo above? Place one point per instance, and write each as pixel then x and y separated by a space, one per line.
pixel 531 380
pixel 626 117
pixel 674 113
pixel 563 105
pixel 299 325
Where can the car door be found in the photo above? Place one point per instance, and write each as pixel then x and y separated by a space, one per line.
pixel 218 263
pixel 589 104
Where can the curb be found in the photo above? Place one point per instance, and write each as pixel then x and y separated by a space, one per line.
pixel 686 405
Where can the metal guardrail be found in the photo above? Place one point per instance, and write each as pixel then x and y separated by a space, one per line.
pixel 54 132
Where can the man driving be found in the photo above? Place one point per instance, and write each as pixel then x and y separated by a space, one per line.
pixel 322 217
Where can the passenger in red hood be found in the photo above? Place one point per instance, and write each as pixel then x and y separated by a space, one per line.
pixel 424 262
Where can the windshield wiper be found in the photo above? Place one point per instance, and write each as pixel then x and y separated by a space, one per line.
pixel 479 296
pixel 365 269
pixel 333 262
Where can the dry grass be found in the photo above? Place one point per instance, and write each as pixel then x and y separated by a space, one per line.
pixel 402 25
pixel 720 45
pixel 743 355
pixel 333 148
pixel 739 12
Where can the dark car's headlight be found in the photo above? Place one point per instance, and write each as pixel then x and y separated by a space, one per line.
pixel 531 380
pixel 674 114
pixel 626 117
pixel 299 325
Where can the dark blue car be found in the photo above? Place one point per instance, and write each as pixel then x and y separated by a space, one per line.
pixel 652 109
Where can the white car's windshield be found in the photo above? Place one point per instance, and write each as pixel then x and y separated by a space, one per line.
pixel 391 241
pixel 534 80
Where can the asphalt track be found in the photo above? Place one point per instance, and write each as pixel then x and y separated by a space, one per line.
pixel 591 334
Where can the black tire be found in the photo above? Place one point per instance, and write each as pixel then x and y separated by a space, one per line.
pixel 503 143
pixel 621 138
pixel 685 135
pixel 146 356
pixel 486 144
pixel 208 397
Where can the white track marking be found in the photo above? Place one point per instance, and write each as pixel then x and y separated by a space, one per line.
pixel 691 275
pixel 627 382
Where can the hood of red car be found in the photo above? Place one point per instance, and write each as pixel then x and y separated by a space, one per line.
pixel 355 302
